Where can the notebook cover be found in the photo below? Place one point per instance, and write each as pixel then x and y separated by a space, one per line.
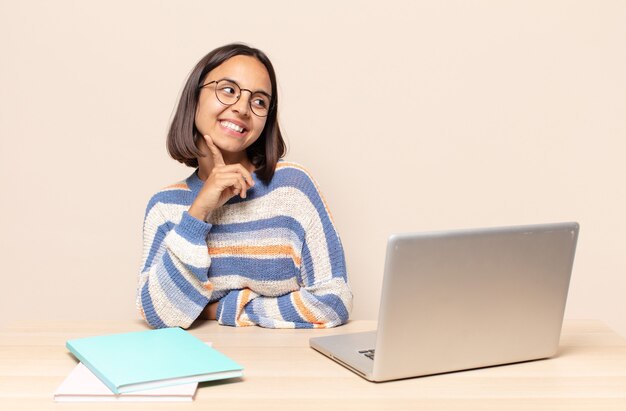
pixel 148 359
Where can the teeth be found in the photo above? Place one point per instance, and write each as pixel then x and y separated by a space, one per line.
pixel 232 126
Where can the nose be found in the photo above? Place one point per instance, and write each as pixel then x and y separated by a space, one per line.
pixel 242 106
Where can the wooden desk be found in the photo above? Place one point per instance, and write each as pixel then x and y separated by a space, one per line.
pixel 282 372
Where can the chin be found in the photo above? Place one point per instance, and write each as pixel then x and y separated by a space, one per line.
pixel 231 148
pixel 229 145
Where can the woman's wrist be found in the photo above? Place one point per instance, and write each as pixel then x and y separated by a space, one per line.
pixel 198 212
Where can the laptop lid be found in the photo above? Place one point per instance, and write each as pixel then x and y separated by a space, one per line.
pixel 464 299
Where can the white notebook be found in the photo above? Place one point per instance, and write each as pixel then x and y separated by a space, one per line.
pixel 82 385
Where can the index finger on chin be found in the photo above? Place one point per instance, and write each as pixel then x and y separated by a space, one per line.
pixel 218 159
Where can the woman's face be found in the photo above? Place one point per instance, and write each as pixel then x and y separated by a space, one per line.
pixel 233 128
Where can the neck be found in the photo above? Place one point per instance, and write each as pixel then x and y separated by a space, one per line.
pixel 237 158
pixel 205 167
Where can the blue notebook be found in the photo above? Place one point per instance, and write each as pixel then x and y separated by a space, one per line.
pixel 150 359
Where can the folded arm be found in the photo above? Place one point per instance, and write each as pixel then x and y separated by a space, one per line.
pixel 322 305
pixel 173 284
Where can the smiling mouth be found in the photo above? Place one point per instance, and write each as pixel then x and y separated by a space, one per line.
pixel 233 126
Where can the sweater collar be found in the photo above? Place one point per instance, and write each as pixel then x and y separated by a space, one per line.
pixel 194 182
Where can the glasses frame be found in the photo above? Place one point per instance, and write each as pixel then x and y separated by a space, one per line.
pixel 241 90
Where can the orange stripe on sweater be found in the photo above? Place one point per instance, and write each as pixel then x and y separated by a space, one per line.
pixel 272 250
pixel 178 185
pixel 304 311
pixel 244 299
pixel 282 164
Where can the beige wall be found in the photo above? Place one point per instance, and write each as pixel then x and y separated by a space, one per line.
pixel 411 115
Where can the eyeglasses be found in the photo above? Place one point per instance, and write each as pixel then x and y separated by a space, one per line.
pixel 228 93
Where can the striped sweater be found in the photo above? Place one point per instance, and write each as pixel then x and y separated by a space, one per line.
pixel 272 259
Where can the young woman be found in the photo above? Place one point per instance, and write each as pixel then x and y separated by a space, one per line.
pixel 247 239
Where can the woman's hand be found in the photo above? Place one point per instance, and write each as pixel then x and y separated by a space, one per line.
pixel 224 182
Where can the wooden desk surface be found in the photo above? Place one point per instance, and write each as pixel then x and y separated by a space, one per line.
pixel 282 372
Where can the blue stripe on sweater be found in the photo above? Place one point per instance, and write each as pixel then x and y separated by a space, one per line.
pixel 273 222
pixel 274 269
pixel 148 309
pixel 227 308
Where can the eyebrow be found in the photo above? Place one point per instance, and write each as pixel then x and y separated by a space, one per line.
pixel 253 92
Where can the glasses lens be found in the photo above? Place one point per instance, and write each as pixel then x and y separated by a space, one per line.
pixel 260 104
pixel 227 92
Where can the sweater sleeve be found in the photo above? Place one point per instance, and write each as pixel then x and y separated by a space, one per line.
pixel 324 299
pixel 173 286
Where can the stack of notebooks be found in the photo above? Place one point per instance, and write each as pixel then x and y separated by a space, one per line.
pixel 155 365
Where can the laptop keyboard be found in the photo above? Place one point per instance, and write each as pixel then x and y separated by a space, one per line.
pixel 368 353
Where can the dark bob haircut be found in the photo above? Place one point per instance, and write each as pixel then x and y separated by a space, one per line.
pixel 183 135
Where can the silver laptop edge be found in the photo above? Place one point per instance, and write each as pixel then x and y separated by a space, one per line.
pixel 463 299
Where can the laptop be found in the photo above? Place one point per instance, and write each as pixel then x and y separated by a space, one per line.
pixel 463 299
